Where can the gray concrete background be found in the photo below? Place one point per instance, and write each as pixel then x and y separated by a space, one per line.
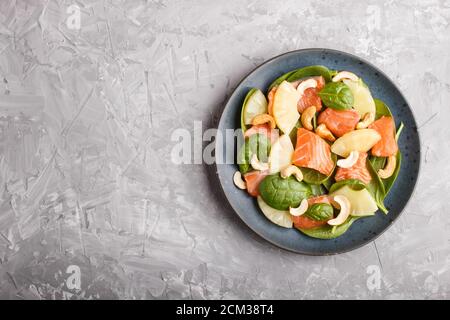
pixel 85 122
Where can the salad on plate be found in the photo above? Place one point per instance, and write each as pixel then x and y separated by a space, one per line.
pixel 319 151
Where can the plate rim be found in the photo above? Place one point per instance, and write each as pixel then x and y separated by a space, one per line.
pixel 391 222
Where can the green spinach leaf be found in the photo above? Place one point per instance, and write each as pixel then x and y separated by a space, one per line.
pixel 377 162
pixel 337 95
pixel 381 109
pixel 328 232
pixel 320 212
pixel 355 184
pixel 389 182
pixel 310 72
pixel 328 183
pixel 317 189
pixel 305 72
pixel 376 188
pixel 280 80
pixel 333 72
pixel 282 193
pixel 312 176
pixel 293 133
pixel 257 144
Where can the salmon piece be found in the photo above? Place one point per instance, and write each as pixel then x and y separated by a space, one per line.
pixel 253 179
pixel 387 146
pixel 339 122
pixel 319 199
pixel 310 97
pixel 304 222
pixel 357 171
pixel 265 129
pixel 270 97
pixel 313 152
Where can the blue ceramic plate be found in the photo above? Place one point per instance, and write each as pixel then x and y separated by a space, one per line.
pixel 363 230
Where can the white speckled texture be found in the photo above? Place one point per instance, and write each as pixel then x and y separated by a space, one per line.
pixel 85 123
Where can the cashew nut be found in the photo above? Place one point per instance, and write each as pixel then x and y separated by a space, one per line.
pixel 292 170
pixel 301 209
pixel 345 75
pixel 264 118
pixel 344 212
pixel 349 161
pixel 237 179
pixel 307 117
pixel 367 119
pixel 323 132
pixel 310 83
pixel 257 165
pixel 389 168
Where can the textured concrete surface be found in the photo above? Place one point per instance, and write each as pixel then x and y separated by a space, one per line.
pixel 92 207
